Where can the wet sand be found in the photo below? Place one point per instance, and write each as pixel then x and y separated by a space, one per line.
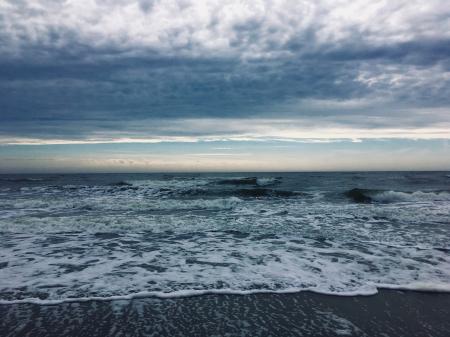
pixel 389 313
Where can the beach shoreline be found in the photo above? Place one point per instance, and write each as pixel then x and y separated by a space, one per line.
pixel 388 313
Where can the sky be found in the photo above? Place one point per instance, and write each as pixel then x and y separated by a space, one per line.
pixel 263 85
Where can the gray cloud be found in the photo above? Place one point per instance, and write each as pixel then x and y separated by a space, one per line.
pixel 71 70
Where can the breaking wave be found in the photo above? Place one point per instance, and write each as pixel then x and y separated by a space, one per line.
pixel 368 196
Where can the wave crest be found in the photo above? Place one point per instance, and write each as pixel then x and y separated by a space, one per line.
pixel 254 181
pixel 367 196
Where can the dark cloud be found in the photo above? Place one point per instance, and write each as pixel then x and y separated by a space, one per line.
pixel 84 76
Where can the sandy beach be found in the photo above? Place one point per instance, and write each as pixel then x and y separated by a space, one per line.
pixel 389 313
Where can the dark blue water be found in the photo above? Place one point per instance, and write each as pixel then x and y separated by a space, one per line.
pixel 66 237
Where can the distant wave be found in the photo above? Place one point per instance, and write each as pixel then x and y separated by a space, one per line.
pixel 250 181
pixel 268 181
pixel 370 195
pixel 240 192
pixel 121 183
pixel 22 180
pixel 239 181
pixel 265 192
pixel 122 186
pixel 359 195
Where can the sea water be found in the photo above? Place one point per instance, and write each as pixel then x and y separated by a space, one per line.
pixel 113 236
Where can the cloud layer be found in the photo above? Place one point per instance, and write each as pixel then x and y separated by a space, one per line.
pixel 120 69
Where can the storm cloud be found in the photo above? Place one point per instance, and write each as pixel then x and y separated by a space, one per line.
pixel 102 70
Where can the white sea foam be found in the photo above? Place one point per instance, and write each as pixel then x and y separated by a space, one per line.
pixel 176 294
pixel 395 196
pixel 71 267
pixel 267 181
pixel 423 287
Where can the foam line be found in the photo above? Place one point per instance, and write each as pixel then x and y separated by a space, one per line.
pixel 178 294
pixel 419 286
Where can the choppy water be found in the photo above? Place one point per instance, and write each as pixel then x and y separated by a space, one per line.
pixel 72 237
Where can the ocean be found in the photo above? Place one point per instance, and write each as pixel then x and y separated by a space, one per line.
pixel 105 238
